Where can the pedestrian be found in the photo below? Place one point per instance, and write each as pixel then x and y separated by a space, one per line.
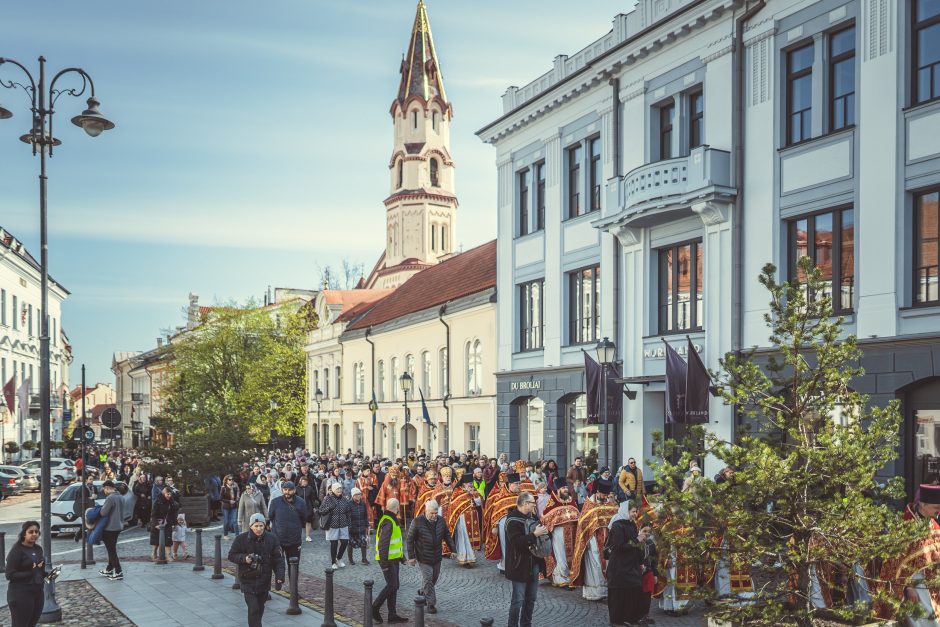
pixel 251 502
pixel 263 487
pixel 334 518
pixel 576 472
pixel 165 509
pixel 309 494
pixel 113 508
pixel 358 526
pixel 257 553
pixel 625 566
pixel 25 569
pixel 389 552
pixel 229 495
pixel 84 498
pixel 143 491
pixel 179 537
pixel 522 566
pixel 631 483
pixel 425 536
pixel 287 515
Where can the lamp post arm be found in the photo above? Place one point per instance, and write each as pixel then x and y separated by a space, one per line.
pixel 86 83
pixel 30 90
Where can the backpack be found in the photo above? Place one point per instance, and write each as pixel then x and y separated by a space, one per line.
pixel 542 547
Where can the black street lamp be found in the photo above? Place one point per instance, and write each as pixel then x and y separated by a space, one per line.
pixel 3 422
pixel 318 397
pixel 40 137
pixel 606 352
pixel 406 383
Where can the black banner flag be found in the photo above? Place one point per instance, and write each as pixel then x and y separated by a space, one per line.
pixel 697 382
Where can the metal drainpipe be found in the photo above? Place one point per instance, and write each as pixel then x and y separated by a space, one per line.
pixel 738 136
pixel 615 158
pixel 372 344
pixel 446 397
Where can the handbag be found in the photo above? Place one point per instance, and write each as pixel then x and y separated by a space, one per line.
pixel 649 582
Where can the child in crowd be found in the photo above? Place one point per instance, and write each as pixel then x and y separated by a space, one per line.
pixel 179 537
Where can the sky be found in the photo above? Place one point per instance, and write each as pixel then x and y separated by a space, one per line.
pixel 252 142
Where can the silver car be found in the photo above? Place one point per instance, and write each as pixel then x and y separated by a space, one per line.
pixel 61 470
pixel 63 514
pixel 29 480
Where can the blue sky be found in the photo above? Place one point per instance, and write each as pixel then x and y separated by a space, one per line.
pixel 252 143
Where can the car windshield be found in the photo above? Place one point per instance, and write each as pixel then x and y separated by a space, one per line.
pixel 69 493
pixel 12 470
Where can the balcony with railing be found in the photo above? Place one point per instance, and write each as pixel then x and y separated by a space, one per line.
pixel 652 192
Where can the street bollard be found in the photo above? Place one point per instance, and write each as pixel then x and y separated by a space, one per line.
pixel 89 552
pixel 486 622
pixel 367 603
pixel 3 544
pixel 328 620
pixel 420 602
pixel 217 566
pixel 198 567
pixel 293 565
pixel 161 547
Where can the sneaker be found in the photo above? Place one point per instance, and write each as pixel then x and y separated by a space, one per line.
pixel 105 572
pixel 335 566
pixel 116 576
pixel 342 564
pixel 225 537
pixel 395 618
pixel 309 539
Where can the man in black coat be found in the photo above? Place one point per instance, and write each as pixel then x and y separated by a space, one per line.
pixel 257 552
pixel 425 536
pixel 522 567
pixel 84 498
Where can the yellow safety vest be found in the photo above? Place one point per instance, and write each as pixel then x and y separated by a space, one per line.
pixel 395 547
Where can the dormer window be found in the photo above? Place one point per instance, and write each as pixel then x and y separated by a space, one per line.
pixel 435 181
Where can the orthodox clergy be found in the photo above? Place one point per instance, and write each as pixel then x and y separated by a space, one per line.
pixel 561 517
pixel 463 523
pixel 390 489
pixel 445 489
pixel 426 493
pixel 366 483
pixel 407 495
pixel 588 564
pixel 494 518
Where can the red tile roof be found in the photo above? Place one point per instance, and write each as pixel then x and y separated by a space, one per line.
pixel 462 275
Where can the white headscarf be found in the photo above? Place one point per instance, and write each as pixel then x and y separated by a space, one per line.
pixel 622 514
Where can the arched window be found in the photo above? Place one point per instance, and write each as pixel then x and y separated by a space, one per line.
pixel 442 358
pixel 474 361
pixel 360 382
pixel 401 173
pixel 443 238
pixel 380 392
pixel 339 383
pixel 435 181
pixel 434 120
pixel 393 383
pixel 410 365
pixel 433 237
pixel 426 373
pixel 414 119
pixel 326 383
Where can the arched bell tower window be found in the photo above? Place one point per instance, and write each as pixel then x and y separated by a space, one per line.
pixel 435 182
pixel 401 174
pixel 434 120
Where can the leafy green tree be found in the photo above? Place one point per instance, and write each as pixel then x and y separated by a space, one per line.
pixel 29 445
pixel 807 499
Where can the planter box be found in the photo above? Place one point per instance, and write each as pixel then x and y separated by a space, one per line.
pixel 196 509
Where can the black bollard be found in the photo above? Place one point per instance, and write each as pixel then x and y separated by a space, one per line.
pixel 293 565
pixel 3 544
pixel 89 552
pixel 486 622
pixel 199 566
pixel 161 547
pixel 328 620
pixel 217 567
pixel 367 603
pixel 420 602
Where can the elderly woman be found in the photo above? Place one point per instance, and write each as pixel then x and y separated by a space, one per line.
pixel 334 518
pixel 358 525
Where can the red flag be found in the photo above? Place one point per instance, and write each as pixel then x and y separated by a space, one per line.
pixel 9 394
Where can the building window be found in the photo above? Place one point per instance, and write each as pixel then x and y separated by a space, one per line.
pixel 54 334
pixel 29 319
pixel 401 173
pixel 680 288
pixel 433 237
pixel 595 174
pixel 410 365
pixel 584 312
pixel 443 238
pixel 435 181
pixel 380 367
pixel 926 257
pixel 474 360
pixel 360 438
pixel 667 116
pixel 800 94
pixel 530 315
pixel 574 181
pixel 583 437
pixel 473 438
pixel 434 120
pixel 316 381
pixel 842 78
pixel 539 196
pixel 696 119
pixel 16 314
pixel 414 119
pixel 326 383
pixel 523 181
pixel 360 375
pixel 829 240
pixel 393 382
pixel 426 373
pixel 3 307
pixel 339 383
pixel 926 54
pixel 3 370
pixel 445 387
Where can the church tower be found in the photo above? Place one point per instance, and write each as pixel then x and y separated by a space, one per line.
pixel 421 206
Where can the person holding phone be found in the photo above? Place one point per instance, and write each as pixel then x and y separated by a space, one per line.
pixel 25 570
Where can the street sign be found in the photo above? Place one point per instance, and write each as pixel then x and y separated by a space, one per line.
pixel 66 415
pixel 111 418
pixel 89 434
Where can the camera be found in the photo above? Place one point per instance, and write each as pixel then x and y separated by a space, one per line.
pixel 255 561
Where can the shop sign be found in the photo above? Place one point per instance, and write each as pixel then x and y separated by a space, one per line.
pixel 535 384
pixel 659 351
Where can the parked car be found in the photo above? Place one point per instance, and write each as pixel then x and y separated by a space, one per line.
pixel 10 485
pixel 29 481
pixel 64 518
pixel 62 470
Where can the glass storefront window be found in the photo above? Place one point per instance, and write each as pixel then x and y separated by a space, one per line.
pixel 926 444
pixel 582 437
pixel 535 431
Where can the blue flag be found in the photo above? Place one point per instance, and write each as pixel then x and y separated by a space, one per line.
pixel 373 407
pixel 424 409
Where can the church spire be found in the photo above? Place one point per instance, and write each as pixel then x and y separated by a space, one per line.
pixel 420 71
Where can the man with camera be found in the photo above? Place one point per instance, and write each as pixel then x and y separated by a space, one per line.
pixel 257 552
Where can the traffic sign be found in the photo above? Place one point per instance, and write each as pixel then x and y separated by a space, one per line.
pixel 111 418
pixel 89 434
pixel 77 434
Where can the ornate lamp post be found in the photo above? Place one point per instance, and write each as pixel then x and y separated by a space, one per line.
pixel 606 352
pixel 318 397
pixel 406 383
pixel 42 99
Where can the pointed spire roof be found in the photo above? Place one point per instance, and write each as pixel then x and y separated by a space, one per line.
pixel 420 71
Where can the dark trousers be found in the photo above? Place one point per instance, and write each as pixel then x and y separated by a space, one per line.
pixel 255 603
pixel 522 604
pixel 26 601
pixel 110 543
pixel 625 605
pixel 389 593
pixel 290 551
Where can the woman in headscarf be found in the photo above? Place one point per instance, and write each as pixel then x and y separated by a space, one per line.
pixel 625 566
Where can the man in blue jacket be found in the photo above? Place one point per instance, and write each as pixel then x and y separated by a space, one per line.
pixel 288 514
